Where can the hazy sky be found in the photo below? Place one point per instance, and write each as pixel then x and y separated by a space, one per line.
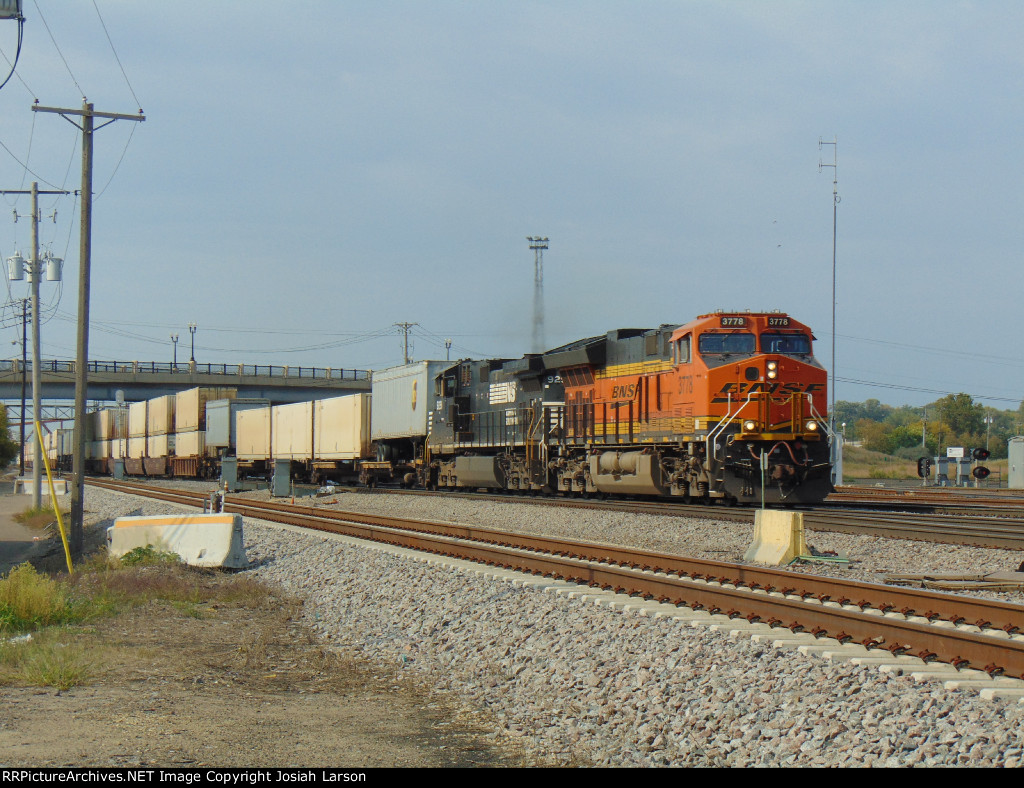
pixel 311 173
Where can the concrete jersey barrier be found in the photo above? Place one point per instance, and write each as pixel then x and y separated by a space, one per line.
pixel 207 540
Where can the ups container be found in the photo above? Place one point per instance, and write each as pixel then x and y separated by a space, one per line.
pixel 403 398
pixel 221 418
pixel 253 434
pixel 342 428
pixel 190 406
pixel 137 412
pixel 160 416
pixel 292 437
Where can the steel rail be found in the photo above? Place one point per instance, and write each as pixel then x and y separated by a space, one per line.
pixel 593 564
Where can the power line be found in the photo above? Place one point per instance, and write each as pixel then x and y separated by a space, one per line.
pixel 118 59
pixel 55 46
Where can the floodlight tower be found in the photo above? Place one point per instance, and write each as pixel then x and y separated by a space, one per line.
pixel 538 245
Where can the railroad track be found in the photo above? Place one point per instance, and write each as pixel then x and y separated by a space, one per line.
pixel 963 631
pixel 977 531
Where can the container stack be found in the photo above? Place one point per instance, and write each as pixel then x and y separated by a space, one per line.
pixel 160 426
pixel 137 418
pixel 191 420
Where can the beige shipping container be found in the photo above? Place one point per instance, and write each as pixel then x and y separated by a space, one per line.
pixel 160 446
pixel 292 437
pixel 137 419
pixel 190 444
pixel 136 448
pixel 160 417
pixel 113 423
pixel 342 428
pixel 190 406
pixel 118 448
pixel 252 434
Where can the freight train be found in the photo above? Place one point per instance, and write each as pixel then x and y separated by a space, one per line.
pixel 729 407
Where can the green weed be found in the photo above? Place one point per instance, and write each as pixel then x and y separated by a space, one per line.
pixel 29 600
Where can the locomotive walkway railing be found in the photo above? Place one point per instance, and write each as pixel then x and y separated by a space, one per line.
pixel 190 368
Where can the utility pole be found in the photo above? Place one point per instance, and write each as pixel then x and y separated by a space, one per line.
pixel 538 245
pixel 24 364
pixel 87 114
pixel 405 329
pixel 835 212
pixel 35 273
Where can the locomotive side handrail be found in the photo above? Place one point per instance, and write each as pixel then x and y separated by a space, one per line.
pixel 720 427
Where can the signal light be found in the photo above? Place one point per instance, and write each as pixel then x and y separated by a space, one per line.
pixel 980 454
pixel 924 467
pixel 981 472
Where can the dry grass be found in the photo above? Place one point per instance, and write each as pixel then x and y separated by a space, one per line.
pixel 39 518
pixel 62 648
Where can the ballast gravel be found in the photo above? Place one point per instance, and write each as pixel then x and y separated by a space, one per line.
pixel 575 683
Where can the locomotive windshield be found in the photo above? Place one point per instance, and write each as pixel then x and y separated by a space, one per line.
pixel 720 344
pixel 791 344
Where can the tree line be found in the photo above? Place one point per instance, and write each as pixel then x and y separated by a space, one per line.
pixel 911 432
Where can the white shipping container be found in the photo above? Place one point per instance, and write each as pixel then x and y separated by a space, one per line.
pixel 190 444
pixel 292 437
pixel 64 442
pixel 137 419
pixel 118 448
pixel 342 428
pixel 136 448
pixel 160 417
pixel 160 446
pixel 403 397
pixel 92 429
pixel 97 450
pixel 190 405
pixel 252 437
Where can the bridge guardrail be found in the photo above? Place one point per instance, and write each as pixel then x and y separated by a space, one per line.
pixel 189 368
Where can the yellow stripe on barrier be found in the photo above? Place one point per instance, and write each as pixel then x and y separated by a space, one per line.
pixel 186 519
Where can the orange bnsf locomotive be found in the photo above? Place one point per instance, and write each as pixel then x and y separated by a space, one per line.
pixel 729 407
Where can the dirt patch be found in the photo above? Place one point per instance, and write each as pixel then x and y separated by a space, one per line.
pixel 236 682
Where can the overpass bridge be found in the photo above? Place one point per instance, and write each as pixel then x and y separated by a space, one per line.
pixel 140 380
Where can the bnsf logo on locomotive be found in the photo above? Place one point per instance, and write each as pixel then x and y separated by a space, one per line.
pixel 624 392
pixel 736 390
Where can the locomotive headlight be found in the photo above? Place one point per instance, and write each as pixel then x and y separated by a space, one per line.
pixel 749 426
pixel 773 370
pixel 811 426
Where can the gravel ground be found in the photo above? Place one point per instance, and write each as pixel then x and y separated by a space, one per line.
pixel 586 685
